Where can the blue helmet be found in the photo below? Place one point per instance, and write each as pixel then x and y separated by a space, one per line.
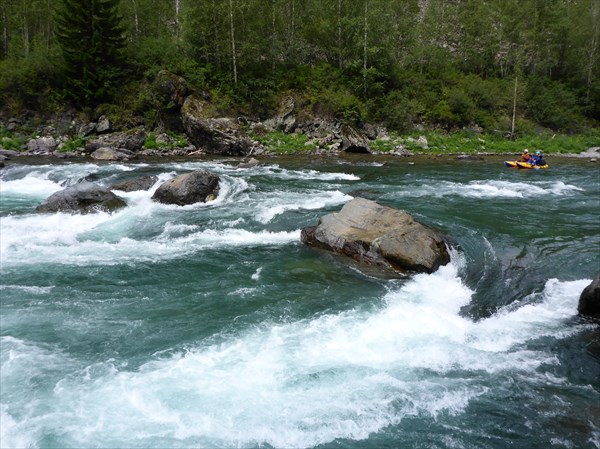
pixel 538 152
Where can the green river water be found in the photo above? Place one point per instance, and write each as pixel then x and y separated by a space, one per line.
pixel 213 326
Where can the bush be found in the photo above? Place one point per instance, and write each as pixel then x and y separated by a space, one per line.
pixel 553 104
pixel 281 142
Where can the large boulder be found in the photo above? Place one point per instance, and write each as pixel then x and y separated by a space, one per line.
pixel 131 185
pixel 111 154
pixel 354 141
pixel 589 301
pixel 189 188
pixel 379 236
pixel 223 135
pixel 83 197
pixel 42 145
pixel 132 140
pixel 171 91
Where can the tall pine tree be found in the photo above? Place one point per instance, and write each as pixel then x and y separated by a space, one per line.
pixel 92 38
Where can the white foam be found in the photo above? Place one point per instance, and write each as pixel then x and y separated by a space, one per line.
pixel 57 244
pixel 309 382
pixel 276 205
pixel 32 185
pixel 491 189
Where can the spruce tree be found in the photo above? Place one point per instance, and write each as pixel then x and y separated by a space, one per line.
pixel 92 39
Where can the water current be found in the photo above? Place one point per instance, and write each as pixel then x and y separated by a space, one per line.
pixel 213 326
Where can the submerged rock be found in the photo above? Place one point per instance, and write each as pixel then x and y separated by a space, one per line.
pixel 380 236
pixel 110 154
pixel 131 185
pixel 189 188
pixel 84 197
pixel 589 301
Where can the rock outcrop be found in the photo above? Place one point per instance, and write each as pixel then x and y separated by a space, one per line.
pixel 222 135
pixel 354 141
pixel 84 197
pixel 589 301
pixel 132 140
pixel 189 188
pixel 379 236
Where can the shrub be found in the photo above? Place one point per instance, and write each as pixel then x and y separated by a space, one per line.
pixel 281 142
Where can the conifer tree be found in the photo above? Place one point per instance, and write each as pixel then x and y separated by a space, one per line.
pixel 92 39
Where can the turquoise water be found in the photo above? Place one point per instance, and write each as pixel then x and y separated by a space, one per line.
pixel 211 325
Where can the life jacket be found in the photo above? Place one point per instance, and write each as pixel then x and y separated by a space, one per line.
pixel 525 157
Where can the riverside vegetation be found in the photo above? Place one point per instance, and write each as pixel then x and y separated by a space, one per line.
pixel 468 76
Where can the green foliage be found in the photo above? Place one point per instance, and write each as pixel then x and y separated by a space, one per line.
pixel 469 142
pixel 280 142
pixel 175 141
pixel 449 65
pixel 73 144
pixel 150 142
pixel 553 104
pixel 10 141
pixel 91 38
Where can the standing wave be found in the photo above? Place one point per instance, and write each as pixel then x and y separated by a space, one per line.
pixel 300 384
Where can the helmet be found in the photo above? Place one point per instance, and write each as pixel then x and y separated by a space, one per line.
pixel 538 152
pixel 525 150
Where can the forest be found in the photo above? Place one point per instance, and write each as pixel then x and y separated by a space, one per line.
pixel 502 66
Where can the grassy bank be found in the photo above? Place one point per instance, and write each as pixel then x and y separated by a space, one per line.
pixel 468 142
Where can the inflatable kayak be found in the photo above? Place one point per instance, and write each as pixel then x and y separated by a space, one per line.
pixel 517 164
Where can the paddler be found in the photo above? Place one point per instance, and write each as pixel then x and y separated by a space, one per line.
pixel 526 157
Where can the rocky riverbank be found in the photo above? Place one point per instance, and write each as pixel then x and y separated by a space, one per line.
pixel 192 126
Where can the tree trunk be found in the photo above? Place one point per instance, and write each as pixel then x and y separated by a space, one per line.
pixel 512 128
pixel 177 21
pixel 48 25
pixel 4 30
pixel 339 34
pixel 136 20
pixel 233 60
pixel 365 50
pixel 422 9
pixel 217 39
pixel 273 50
pixel 593 49
pixel 25 36
pixel 293 27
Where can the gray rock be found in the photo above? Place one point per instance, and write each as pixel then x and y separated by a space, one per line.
pixel 188 188
pixel 103 125
pixel 132 140
pixel 380 236
pixel 42 145
pixel 249 164
pixel 87 129
pixel 354 141
pixel 110 154
pixel 589 301
pixel 469 157
pixel 221 135
pixel 83 197
pixel 131 185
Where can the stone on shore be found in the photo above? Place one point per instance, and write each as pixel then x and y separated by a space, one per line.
pixel 379 236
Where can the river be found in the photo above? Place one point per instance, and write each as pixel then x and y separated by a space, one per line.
pixel 213 326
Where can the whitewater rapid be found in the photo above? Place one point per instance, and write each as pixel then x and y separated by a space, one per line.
pixel 341 373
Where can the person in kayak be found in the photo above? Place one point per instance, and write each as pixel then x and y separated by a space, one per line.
pixel 526 157
pixel 538 160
